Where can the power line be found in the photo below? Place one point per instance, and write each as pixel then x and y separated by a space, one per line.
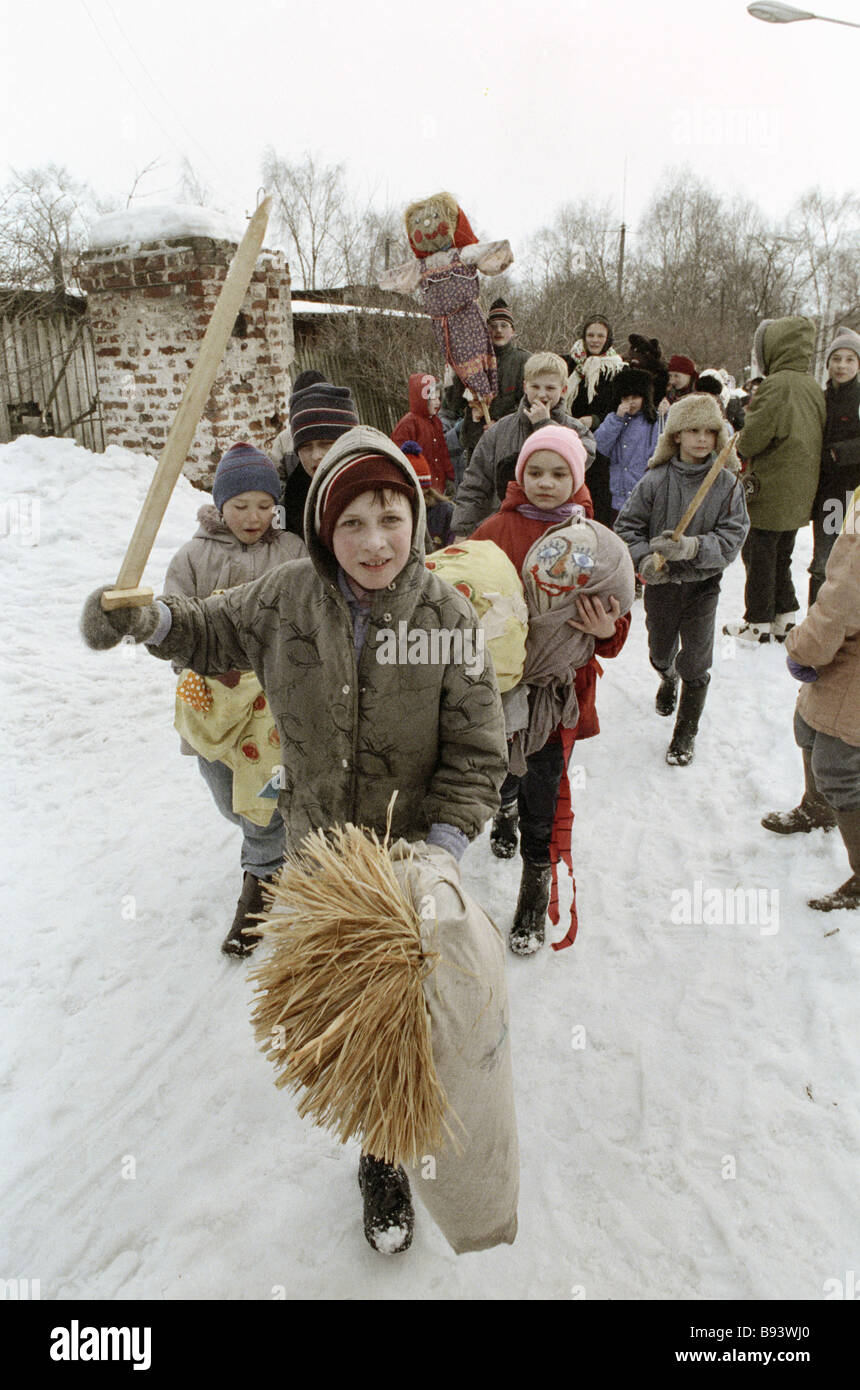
pixel 162 94
pixel 120 67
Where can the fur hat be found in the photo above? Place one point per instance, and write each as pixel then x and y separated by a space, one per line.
pixel 634 381
pixel 694 412
pixel 644 350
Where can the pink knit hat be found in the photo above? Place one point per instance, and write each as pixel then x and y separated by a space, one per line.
pixel 559 439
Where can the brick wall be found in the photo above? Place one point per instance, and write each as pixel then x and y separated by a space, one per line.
pixel 149 309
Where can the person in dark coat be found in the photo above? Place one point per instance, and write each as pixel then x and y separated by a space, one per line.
pixel 593 365
pixel 319 414
pixel 840 451
pixel 645 353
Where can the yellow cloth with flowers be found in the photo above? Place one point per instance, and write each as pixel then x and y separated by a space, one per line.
pixel 482 571
pixel 233 726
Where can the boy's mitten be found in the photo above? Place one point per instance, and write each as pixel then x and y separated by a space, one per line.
pixel 806 674
pixel 101 629
pixel 650 574
pixel 684 548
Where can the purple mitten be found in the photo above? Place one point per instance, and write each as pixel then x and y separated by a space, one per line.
pixel 807 674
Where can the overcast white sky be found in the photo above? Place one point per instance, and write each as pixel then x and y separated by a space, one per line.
pixel 515 107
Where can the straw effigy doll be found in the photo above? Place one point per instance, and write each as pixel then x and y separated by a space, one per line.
pixel 448 257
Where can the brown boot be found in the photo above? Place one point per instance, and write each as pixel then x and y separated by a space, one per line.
pixel 848 895
pixel 813 813
pixel 239 941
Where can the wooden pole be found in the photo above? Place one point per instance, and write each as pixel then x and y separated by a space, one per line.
pixel 704 488
pixel 128 592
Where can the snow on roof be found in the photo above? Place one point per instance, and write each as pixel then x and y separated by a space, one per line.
pixel 315 306
pixel 162 222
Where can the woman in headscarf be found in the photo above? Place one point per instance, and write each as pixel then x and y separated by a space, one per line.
pixel 592 365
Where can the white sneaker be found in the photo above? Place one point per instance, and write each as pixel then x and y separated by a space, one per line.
pixel 752 634
pixel 782 625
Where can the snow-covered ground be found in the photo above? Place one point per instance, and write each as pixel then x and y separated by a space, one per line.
pixel 687 1091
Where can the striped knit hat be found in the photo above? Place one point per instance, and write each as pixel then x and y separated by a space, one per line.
pixel 499 309
pixel 244 469
pixel 321 411
pixel 355 475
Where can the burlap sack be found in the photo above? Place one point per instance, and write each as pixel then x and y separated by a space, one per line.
pixel 471 1195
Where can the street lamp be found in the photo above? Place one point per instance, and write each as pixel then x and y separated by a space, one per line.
pixel 787 14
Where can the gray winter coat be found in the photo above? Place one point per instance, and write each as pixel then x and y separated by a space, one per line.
pixel 491 466
pixel 216 559
pixel 353 732
pixel 660 499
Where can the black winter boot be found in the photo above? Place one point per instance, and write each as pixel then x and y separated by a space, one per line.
pixel 848 895
pixel 667 695
pixel 690 706
pixel 529 928
pixel 503 836
pixel 238 942
pixel 813 812
pixel 389 1218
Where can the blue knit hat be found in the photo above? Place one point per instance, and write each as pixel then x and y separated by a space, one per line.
pixel 244 469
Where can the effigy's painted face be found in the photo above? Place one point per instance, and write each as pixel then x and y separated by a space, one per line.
pixel 430 226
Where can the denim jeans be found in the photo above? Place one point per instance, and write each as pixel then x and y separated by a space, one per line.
pixel 263 846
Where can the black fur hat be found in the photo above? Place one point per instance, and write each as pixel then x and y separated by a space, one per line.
pixel 644 349
pixel 635 381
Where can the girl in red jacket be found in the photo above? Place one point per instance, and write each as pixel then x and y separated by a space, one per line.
pixel 424 426
pixel 549 488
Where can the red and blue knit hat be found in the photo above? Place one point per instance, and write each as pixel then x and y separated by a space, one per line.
pixel 244 469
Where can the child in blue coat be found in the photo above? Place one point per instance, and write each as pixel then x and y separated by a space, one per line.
pixel 629 435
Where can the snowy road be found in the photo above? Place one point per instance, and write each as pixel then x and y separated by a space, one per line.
pixel 687 1090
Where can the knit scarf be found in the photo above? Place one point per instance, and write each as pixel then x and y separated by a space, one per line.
pixel 565 512
pixel 589 368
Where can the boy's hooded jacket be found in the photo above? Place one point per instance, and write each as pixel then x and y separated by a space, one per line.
pixel 829 639
pixel 427 430
pixel 216 559
pixel 660 499
pixel 783 428
pixel 352 732
pixel 840 453
pixel 494 459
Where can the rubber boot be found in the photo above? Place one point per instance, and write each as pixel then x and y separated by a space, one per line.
pixel 667 695
pixel 503 836
pixel 529 928
pixel 848 895
pixel 389 1217
pixel 238 942
pixel 690 706
pixel 813 812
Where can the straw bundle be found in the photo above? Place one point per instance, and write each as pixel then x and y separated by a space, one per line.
pixel 340 1009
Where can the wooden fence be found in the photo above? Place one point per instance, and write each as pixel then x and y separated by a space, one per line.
pixel 48 383
pixel 372 407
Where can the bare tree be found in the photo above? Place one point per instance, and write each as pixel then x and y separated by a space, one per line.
pixel 313 216
pixel 45 216
pixel 824 232
pixel 192 188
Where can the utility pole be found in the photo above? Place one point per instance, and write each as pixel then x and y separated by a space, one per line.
pixel 623 234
